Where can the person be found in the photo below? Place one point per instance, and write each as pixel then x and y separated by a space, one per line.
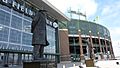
pixel 39 38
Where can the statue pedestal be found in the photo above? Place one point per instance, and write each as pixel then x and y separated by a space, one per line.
pixel 89 63
pixel 40 64
pixel 82 57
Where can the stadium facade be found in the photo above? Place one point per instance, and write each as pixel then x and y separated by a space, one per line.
pixel 15 30
pixel 83 38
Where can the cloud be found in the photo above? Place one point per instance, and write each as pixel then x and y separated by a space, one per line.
pixel 88 6
pixel 106 10
pixel 110 9
pixel 110 17
pixel 115 33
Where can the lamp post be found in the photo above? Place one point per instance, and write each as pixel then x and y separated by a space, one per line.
pixel 81 48
pixel 91 46
pixel 101 53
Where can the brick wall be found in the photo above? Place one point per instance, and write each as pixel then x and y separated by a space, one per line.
pixel 64 45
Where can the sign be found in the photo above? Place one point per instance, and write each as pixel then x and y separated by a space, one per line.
pixel 53 24
pixel 18 6
pixel 25 9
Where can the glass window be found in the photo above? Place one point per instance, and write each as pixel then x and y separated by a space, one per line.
pixel 17 13
pixel 84 27
pixel 28 18
pixel 4 31
pixel 73 27
pixel 15 36
pixel 26 39
pixel 14 47
pixel 100 29
pixel 51 39
pixel 16 22
pixel 3 45
pixel 27 48
pixel 4 18
pixel 5 7
pixel 26 26
pixel 93 28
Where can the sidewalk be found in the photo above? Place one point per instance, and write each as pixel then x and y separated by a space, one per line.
pixel 98 64
pixel 101 64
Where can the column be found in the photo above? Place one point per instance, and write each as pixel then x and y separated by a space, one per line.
pixel 5 59
pixel 80 43
pixel 106 48
pixel 64 45
pixel 91 45
pixel 101 52
pixel 13 58
pixel 111 50
pixel 19 58
pixel 28 57
pixel 24 57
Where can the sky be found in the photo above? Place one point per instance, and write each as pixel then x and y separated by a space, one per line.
pixel 107 11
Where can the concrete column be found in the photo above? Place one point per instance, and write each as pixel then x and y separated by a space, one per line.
pixel 106 48
pixel 19 61
pixel 5 58
pixel 102 57
pixel 111 50
pixel 13 58
pixel 24 57
pixel 91 44
pixel 28 57
pixel 80 43
pixel 64 45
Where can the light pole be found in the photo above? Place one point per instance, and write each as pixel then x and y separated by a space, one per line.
pixel 81 48
pixel 101 53
pixel 91 46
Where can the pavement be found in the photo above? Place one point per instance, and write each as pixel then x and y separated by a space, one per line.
pixel 108 64
pixel 98 64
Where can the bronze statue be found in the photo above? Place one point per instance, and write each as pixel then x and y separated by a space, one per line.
pixel 39 38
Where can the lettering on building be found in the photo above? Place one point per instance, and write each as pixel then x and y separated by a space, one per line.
pixel 18 6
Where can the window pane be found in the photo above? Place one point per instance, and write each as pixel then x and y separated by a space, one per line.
pixel 26 39
pixel 16 22
pixel 4 31
pixel 15 36
pixel 4 18
pixel 14 47
pixel 3 45
pixel 51 39
pixel 26 26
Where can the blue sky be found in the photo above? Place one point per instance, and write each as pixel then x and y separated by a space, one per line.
pixel 107 10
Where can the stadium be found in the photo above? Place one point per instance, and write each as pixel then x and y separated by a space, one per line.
pixel 76 37
pixel 84 39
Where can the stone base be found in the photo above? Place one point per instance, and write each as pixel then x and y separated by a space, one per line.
pixel 82 57
pixel 89 63
pixel 40 64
